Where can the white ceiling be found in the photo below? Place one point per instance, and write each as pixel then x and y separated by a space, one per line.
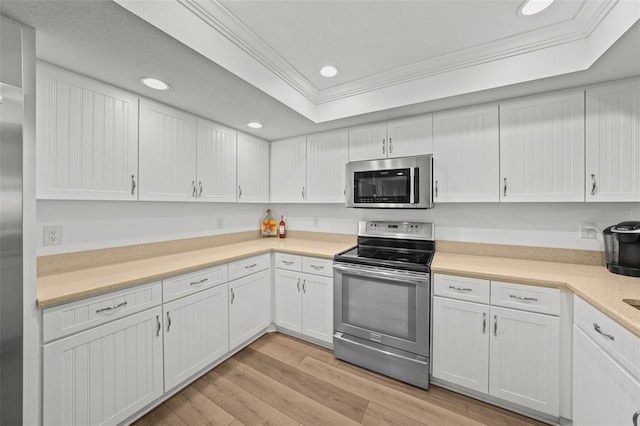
pixel 379 47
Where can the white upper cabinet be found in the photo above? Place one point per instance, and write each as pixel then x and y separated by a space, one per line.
pixel 289 170
pixel 87 138
pixel 466 156
pixel 542 148
pixel 613 142
pixel 401 138
pixel 167 153
pixel 253 169
pixel 216 164
pixel 327 154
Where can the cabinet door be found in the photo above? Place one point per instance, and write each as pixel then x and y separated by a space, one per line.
pixel 327 154
pixel 524 358
pixel 368 142
pixel 253 169
pixel 317 307
pixel 466 156
pixel 87 138
pixel 249 307
pixel 613 142
pixel 167 153
pixel 195 333
pixel 289 170
pixel 603 392
pixel 103 375
pixel 216 164
pixel 412 136
pixel 461 343
pixel 542 149
pixel 288 303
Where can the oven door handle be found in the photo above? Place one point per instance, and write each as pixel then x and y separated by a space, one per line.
pixel 381 274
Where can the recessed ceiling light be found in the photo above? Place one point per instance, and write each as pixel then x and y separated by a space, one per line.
pixel 531 7
pixel 255 125
pixel 329 71
pixel 154 83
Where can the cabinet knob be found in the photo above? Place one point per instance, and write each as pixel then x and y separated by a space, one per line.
pixel 303 192
pixel 495 325
pixel 193 187
pixel 484 323
pixel 199 189
pixel 133 184
pixel 384 148
pixel 158 326
pixel 390 146
pixel 298 285
pixel 504 188
pixel 593 184
pixel 233 296
pixel 436 189
pixel 168 322
pixel 239 191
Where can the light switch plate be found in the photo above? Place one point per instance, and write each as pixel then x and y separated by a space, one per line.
pixel 52 236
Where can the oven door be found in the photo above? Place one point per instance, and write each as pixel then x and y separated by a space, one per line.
pixel 386 306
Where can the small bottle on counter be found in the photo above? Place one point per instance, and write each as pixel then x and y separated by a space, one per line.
pixel 281 227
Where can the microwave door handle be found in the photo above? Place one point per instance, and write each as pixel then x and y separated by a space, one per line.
pixel 412 186
pixel 380 274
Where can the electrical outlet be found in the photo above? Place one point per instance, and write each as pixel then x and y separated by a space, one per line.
pixel 316 221
pixel 219 222
pixel 52 236
pixel 588 231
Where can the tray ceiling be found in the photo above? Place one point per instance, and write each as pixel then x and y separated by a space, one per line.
pixel 389 53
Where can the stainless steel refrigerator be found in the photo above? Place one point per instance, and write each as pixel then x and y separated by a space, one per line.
pixel 11 242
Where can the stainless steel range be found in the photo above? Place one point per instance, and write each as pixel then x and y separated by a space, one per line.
pixel 381 300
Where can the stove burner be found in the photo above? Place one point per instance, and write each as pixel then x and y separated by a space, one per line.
pixel 411 259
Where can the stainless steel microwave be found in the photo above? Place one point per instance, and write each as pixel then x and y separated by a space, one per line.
pixel 394 183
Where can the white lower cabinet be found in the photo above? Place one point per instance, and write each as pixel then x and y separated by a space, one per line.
pixel 606 377
pixel 105 374
pixel 195 333
pixel 304 301
pixel 510 354
pixel 249 307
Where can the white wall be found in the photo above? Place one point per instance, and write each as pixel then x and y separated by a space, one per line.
pixel 94 224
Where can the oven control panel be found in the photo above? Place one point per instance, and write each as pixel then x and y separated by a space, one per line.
pixel 411 230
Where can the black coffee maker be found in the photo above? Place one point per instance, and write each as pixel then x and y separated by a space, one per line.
pixel 622 248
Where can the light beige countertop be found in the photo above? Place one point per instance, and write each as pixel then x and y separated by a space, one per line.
pixel 595 284
pixel 67 286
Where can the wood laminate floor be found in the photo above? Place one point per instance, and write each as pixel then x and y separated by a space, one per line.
pixel 279 380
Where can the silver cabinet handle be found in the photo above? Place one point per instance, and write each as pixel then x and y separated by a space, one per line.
pixel 436 189
pixel 390 146
pixel 233 295
pixel 525 299
pixel 484 323
pixel 303 192
pixel 304 286
pixel 504 188
pixel 133 184
pixel 200 189
pixel 158 326
pixel 452 287
pixel 593 184
pixel 383 147
pixel 168 322
pixel 204 280
pixel 298 285
pixel 495 325
pixel 596 327
pixel 288 262
pixel 253 265
pixel 111 308
pixel 316 267
pixel 239 191
pixel 635 418
pixel 193 185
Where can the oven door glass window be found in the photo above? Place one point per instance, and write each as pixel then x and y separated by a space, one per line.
pixel 383 186
pixel 381 306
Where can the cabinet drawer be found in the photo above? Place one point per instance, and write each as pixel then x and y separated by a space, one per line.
pixel 291 262
pixel 463 288
pixel 183 285
pixel 531 298
pixel 619 342
pixel 69 318
pixel 313 265
pixel 248 266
